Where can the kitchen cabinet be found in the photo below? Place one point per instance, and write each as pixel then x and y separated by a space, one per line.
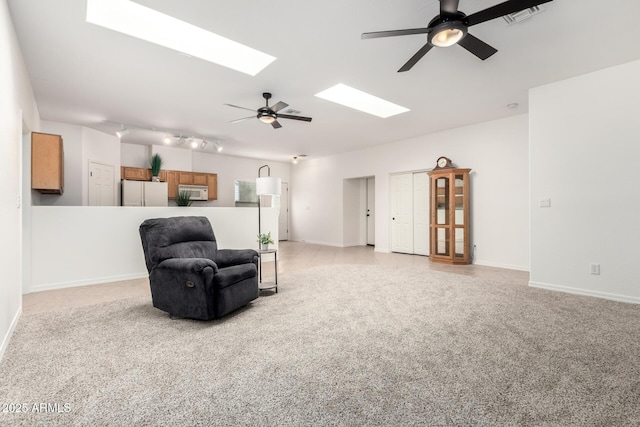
pixel 199 178
pixel 185 178
pixel 140 174
pixel 212 183
pixel 172 181
pixel 47 163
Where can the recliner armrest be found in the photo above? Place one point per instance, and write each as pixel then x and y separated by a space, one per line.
pixel 229 257
pixel 188 265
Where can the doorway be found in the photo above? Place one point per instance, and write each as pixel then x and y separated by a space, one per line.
pixel 101 184
pixel 371 211
pixel 283 214
pixel 409 209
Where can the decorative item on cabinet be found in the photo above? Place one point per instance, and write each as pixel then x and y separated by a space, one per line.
pixel 449 217
pixel 156 164
pixel 47 163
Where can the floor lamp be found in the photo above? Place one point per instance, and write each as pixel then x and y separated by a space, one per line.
pixel 266 186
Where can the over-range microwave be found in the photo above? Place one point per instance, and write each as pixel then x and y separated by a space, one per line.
pixel 198 192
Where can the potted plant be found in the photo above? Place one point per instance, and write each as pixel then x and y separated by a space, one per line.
pixel 264 240
pixel 156 164
pixel 183 198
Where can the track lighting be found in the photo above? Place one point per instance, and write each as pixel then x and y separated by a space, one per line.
pixel 122 132
pixel 173 137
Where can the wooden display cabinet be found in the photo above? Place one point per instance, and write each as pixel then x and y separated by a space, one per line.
pixel 47 163
pixel 449 216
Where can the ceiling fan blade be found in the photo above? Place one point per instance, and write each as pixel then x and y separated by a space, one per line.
pixel 279 106
pixel 448 6
pixel 242 119
pixel 242 108
pixel 276 125
pixel 502 9
pixel 415 58
pixel 477 46
pixel 288 116
pixel 393 33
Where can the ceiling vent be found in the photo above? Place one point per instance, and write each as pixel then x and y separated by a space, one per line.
pixel 516 17
pixel 291 111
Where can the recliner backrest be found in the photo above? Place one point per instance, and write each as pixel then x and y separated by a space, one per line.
pixel 177 237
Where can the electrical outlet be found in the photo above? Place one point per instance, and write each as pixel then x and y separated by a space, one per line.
pixel 595 269
pixel 545 203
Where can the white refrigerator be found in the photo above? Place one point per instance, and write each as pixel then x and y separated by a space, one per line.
pixel 144 193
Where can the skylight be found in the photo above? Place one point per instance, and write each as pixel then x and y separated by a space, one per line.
pixel 138 21
pixel 362 101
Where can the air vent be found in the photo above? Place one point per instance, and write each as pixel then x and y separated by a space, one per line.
pixel 292 111
pixel 516 17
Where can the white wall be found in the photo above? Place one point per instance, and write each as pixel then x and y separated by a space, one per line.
pixel 497 151
pixel 102 148
pixel 136 155
pixel 18 113
pixel 173 158
pixel 74 246
pixel 81 145
pixel 585 157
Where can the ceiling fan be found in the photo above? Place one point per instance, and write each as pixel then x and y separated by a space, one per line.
pixel 450 27
pixel 268 114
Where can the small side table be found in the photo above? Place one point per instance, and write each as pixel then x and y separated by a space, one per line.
pixel 268 285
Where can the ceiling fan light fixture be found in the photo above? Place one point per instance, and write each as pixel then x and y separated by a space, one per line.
pixel 266 117
pixel 447 34
pixel 447 38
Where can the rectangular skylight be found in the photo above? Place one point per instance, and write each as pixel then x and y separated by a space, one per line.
pixel 150 25
pixel 362 101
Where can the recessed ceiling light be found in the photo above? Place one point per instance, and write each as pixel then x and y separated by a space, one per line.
pixel 362 101
pixel 150 25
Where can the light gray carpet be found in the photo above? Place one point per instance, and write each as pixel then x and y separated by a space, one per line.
pixel 343 345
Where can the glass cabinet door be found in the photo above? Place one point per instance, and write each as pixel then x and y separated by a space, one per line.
pixel 442 201
pixel 459 200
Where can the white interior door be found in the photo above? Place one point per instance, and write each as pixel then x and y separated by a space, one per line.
pixel 421 213
pixel 283 215
pixel 101 185
pixel 401 199
pixel 371 211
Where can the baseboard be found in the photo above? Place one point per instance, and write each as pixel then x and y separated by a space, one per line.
pixel 94 281
pixel 317 242
pixel 578 291
pixel 7 337
pixel 500 265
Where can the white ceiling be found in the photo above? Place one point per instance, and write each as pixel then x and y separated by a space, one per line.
pixel 91 76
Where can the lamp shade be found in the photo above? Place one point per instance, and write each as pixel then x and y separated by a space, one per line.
pixel 268 186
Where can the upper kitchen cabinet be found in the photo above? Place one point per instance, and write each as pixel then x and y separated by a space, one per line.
pixel 47 163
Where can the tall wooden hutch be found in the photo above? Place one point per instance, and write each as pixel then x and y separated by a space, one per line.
pixel 449 216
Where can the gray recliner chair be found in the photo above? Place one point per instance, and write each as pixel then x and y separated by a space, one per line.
pixel 189 276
